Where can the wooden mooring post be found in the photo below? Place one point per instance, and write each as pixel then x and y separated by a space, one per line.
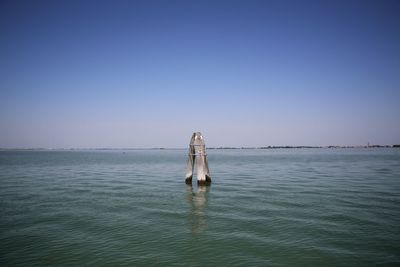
pixel 198 156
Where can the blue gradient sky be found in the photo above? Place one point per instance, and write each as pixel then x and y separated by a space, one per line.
pixel 245 73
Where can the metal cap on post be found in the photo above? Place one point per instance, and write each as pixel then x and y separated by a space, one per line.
pixel 197 155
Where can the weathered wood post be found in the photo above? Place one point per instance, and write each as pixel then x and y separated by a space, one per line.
pixel 198 156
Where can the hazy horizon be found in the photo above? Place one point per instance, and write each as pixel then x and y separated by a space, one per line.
pixel 147 74
pixel 282 146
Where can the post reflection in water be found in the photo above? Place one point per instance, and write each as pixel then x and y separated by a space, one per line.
pixel 198 202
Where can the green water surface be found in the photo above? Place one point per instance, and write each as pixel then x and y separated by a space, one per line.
pixel 288 207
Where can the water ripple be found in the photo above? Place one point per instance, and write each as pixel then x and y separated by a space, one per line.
pixel 264 208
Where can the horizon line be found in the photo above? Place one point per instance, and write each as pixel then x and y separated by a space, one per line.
pixel 211 148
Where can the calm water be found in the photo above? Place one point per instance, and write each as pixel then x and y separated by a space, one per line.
pixel 304 207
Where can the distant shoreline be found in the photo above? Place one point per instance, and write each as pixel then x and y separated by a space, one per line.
pixel 300 147
pixel 209 148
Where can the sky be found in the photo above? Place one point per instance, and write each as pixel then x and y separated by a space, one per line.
pixel 143 74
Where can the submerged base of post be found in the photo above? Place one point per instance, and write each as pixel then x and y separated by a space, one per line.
pixel 204 182
pixel 188 180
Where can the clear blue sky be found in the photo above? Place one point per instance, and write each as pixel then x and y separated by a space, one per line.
pixel 245 73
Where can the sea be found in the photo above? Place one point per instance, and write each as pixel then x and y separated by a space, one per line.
pixel 265 207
